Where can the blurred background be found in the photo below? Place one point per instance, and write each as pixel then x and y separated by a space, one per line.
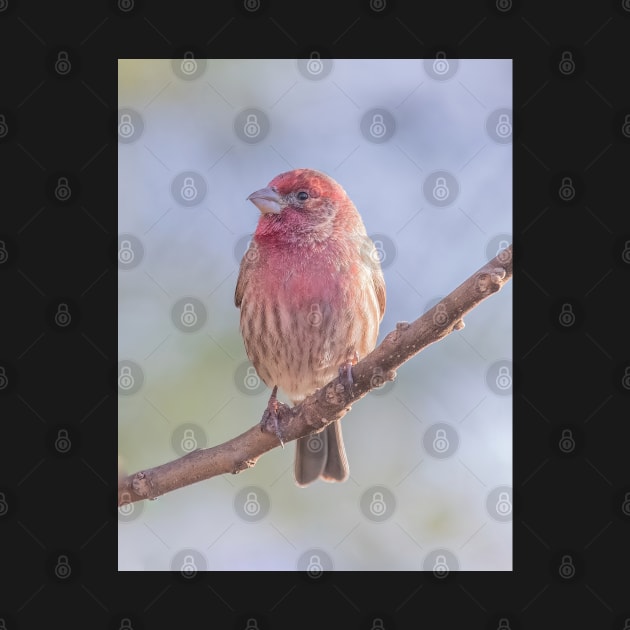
pixel 423 148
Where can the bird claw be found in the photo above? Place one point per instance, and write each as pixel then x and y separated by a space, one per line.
pixel 345 372
pixel 270 418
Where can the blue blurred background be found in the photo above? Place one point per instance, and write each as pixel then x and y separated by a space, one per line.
pixel 424 150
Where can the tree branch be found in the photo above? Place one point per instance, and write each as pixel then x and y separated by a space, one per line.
pixel 332 401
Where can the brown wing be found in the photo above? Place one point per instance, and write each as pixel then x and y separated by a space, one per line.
pixel 250 257
pixel 379 288
pixel 370 258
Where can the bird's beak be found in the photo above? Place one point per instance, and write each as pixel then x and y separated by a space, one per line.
pixel 266 200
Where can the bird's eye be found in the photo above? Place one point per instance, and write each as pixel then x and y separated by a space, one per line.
pixel 302 196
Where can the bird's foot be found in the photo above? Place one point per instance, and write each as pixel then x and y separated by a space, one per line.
pixel 345 372
pixel 270 419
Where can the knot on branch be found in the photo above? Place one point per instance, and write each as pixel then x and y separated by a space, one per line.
pixel 393 336
pixel 141 485
pixel 490 282
pixel 505 256
pixel 244 465
pixel 379 377
pixel 335 393
pixel 440 315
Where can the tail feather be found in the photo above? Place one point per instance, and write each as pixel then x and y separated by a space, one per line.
pixel 321 455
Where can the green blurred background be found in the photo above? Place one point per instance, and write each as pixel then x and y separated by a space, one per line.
pixel 182 386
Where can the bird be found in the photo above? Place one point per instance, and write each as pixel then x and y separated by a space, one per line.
pixel 311 294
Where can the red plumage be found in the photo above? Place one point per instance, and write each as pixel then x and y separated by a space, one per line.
pixel 312 296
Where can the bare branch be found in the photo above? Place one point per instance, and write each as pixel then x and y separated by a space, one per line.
pixel 331 402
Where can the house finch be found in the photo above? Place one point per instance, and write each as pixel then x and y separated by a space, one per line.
pixel 312 296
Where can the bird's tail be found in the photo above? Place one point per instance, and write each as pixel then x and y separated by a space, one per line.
pixel 321 455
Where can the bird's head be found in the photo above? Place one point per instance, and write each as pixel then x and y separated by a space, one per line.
pixel 302 204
